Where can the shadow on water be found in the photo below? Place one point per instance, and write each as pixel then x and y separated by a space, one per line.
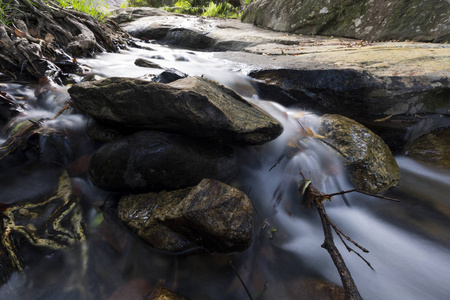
pixel 408 241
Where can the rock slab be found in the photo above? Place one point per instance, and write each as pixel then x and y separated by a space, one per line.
pixel 192 106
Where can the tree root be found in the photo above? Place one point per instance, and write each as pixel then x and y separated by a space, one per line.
pixel 39 32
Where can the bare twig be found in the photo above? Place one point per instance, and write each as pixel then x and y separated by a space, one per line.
pixel 362 192
pixel 349 249
pixel 240 279
pixel 339 232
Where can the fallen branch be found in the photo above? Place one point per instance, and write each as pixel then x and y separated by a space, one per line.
pixel 313 197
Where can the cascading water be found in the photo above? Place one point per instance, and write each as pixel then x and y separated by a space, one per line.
pixel 408 264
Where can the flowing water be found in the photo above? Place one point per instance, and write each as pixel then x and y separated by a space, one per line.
pixel 408 241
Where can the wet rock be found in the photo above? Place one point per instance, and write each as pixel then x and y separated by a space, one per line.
pixel 156 161
pixel 368 159
pixel 194 106
pixel 145 63
pixel 169 75
pixel 211 215
pixel 162 293
pixel 8 107
pixel 369 19
pixel 433 148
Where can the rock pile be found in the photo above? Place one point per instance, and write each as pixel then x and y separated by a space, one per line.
pixel 173 140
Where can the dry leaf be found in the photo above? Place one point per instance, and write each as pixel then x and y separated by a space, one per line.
pixel 19 33
pixel 383 119
pixel 298 115
pixel 49 38
pixel 307 132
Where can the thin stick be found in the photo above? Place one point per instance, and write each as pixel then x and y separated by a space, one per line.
pixel 240 279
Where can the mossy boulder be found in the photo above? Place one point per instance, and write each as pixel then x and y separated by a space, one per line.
pixel 211 215
pixel 370 163
pixel 416 20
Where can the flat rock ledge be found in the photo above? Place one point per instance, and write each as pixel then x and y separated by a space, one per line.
pixel 211 215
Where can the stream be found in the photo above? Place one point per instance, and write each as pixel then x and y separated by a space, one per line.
pixel 408 241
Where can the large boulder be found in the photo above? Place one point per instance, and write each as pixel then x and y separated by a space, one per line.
pixel 211 215
pixel 416 20
pixel 370 163
pixel 156 161
pixel 193 106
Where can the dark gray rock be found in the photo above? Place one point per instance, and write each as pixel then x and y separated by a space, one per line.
pixel 211 215
pixel 103 132
pixel 370 163
pixel 145 63
pixel 155 161
pixel 416 20
pixel 193 106
pixel 169 75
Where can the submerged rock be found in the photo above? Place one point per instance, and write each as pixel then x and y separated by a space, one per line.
pixel 433 148
pixel 194 106
pixel 145 63
pixel 156 161
pixel 368 159
pixel 162 293
pixel 368 19
pixel 211 215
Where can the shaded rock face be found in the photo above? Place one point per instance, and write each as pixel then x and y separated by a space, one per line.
pixel 211 215
pixel 433 148
pixel 355 93
pixel 193 106
pixel 416 20
pixel 370 163
pixel 156 161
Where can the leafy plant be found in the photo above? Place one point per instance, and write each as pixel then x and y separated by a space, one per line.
pixel 95 8
pixel 3 13
pixel 221 10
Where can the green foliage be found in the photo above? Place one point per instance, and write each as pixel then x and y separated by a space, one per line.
pixel 95 8
pixel 4 13
pixel 143 3
pixel 183 4
pixel 221 10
